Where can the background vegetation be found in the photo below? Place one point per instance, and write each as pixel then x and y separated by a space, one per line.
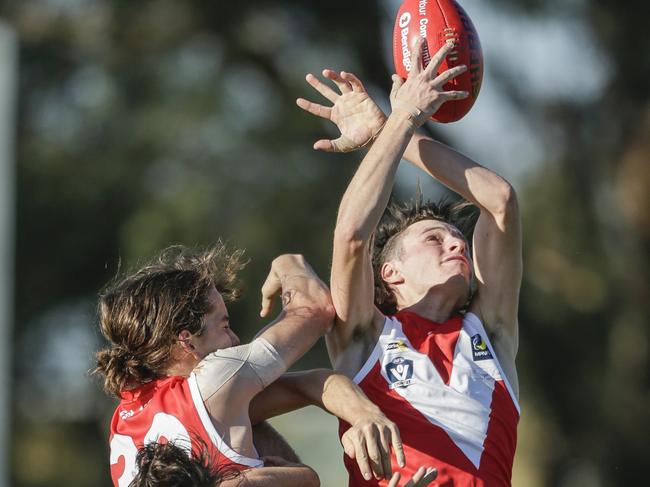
pixel 147 123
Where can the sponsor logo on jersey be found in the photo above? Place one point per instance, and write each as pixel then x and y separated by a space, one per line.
pixel 398 345
pixel 399 372
pixel 480 350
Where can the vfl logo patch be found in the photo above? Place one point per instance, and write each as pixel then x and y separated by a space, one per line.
pixel 480 349
pixel 399 372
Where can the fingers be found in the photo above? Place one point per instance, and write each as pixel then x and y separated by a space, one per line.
pixel 348 446
pixel 267 305
pixel 416 56
pixel 431 475
pixel 270 288
pixel 448 75
pixel 361 456
pixel 397 84
pixel 385 453
pixel 376 461
pixel 438 58
pixel 325 145
pixel 322 88
pixel 419 475
pixel 394 480
pixel 342 84
pixel 355 82
pixel 314 108
pixel 398 447
pixel 453 95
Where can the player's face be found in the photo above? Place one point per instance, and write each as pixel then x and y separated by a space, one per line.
pixel 435 253
pixel 216 333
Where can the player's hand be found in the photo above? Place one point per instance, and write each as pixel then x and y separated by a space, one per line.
pixel 369 442
pixel 423 89
pixel 423 477
pixel 355 114
pixel 292 278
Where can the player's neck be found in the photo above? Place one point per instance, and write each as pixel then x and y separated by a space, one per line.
pixel 181 367
pixel 437 305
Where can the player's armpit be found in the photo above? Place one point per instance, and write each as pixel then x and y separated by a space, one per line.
pixel 353 291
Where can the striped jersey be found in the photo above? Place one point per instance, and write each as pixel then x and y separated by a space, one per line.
pixel 442 384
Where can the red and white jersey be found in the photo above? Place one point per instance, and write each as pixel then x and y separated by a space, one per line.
pixel 169 409
pixel 444 388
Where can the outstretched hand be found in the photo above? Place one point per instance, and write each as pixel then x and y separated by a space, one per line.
pixel 356 115
pixel 422 478
pixel 422 94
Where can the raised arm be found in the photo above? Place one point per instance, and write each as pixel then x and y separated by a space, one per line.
pixel 368 193
pixel 371 435
pixel 307 311
pixel 497 235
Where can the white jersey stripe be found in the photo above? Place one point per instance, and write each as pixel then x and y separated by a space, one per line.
pixel 462 408
pixel 211 430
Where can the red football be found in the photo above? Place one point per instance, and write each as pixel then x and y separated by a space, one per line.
pixel 438 21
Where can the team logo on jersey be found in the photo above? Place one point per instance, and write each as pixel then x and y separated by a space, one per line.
pixel 480 350
pixel 400 372
pixel 398 345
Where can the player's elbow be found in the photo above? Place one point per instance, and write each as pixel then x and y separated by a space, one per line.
pixel 350 239
pixel 311 477
pixel 506 204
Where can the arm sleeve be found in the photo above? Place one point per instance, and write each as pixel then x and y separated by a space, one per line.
pixel 253 366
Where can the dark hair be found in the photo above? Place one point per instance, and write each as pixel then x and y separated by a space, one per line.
pixel 142 313
pixel 168 465
pixel 397 218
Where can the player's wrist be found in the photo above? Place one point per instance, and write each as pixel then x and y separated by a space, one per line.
pixel 403 118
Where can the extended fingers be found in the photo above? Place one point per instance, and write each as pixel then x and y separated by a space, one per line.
pixel 342 84
pixel 314 108
pixel 385 453
pixel 416 56
pixel 355 82
pixel 453 95
pixel 438 58
pixel 322 88
pixel 398 448
pixel 448 75
pixel 397 84
pixel 270 289
pixel 361 456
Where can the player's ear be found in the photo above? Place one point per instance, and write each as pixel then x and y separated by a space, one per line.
pixel 390 273
pixel 184 337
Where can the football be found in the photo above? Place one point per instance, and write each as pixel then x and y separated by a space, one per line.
pixel 439 21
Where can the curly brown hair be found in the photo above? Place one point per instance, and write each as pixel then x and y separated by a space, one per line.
pixel 168 465
pixel 397 218
pixel 141 314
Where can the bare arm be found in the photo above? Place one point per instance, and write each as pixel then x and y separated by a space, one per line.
pixel 371 436
pixel 497 236
pixel 307 311
pixel 368 193
pixel 291 475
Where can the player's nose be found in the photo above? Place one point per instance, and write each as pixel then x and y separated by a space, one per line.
pixel 456 245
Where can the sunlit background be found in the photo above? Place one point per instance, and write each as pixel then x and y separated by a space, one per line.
pixel 131 125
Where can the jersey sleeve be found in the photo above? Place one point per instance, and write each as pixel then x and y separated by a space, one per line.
pixel 252 366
